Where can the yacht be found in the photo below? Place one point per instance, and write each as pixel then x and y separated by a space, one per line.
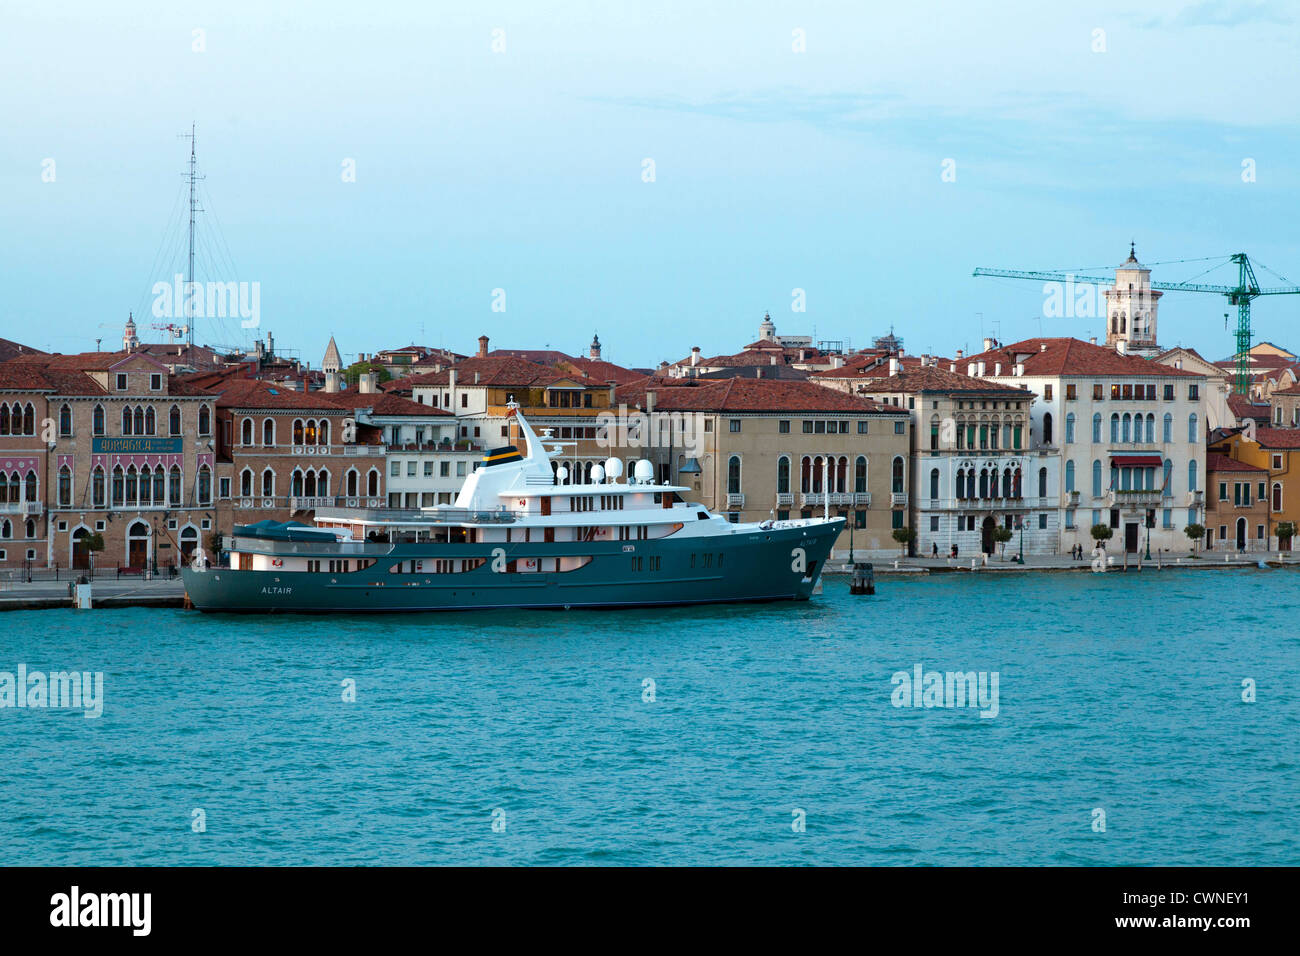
pixel 520 535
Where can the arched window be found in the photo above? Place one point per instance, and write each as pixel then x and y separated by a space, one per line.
pixel 323 436
pixel 323 481
pixel 268 431
pixel 984 483
pixel 119 488
pixel 296 483
pixel 934 483
pixel 309 432
pixel 1007 491
pixel 1277 496
pixel 158 482
pixel 246 432
pixel 65 486
pixel 137 420
pixel 1114 428
pixel 860 475
pixel 1069 479
pixel 132 486
pixel 174 420
pixel 205 419
pixel 1126 431
pixel 1042 483
pixel 783 475
pixel 4 419
pixel 29 487
pixel 126 420
pixel 6 529
pixel 65 421
pixel 29 419
pixel 898 475
pixel 1096 428
pixel 268 483
pixel 297 431
pixel 146 485
pixel 1096 478
pixel 1191 473
pixel 961 482
pixel 733 475
pixel 1169 428
pixel 204 487
pixel 1193 433
pixel 1047 428
pixel 150 421
pixel 1151 429
pixel 4 489
pixel 97 420
pixel 1069 429
pixel 1167 485
pixel 29 528
pixel 352 482
pixel 372 482
pixel 246 482
pixel 174 486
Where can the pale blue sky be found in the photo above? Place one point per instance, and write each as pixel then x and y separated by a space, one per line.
pixel 522 170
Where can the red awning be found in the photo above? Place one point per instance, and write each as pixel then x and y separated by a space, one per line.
pixel 1136 461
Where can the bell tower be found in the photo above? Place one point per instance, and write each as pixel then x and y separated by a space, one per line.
pixel 1131 307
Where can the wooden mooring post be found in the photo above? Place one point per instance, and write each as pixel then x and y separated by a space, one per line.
pixel 864 579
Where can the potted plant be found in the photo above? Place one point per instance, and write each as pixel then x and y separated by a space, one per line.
pixel 1195 532
pixel 1101 533
pixel 94 544
pixel 1285 532
pixel 904 537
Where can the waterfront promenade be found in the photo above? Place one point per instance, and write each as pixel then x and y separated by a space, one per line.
pixel 108 593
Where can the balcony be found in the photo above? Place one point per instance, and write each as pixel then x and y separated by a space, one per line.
pixel 1135 500
pixel 1195 499
pixel 362 450
pixel 735 501
pixel 898 499
pixel 862 499
pixel 784 499
pixel 819 499
pixel 21 508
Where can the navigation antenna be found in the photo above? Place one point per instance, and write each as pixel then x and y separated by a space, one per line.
pixel 194 208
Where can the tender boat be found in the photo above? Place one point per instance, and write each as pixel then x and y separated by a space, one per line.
pixel 518 536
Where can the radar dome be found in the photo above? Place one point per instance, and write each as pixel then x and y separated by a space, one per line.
pixel 613 468
pixel 644 472
pixel 561 475
pixel 597 474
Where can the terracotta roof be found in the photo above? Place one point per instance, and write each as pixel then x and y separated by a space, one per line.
pixel 1243 407
pixel 382 403
pixel 1070 356
pixel 10 349
pixel 932 379
pixel 746 395
pixel 1278 437
pixel 601 371
pixel 1215 461
pixel 26 376
pixel 494 370
pixel 250 393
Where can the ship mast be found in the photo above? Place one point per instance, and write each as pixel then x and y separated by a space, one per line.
pixel 194 208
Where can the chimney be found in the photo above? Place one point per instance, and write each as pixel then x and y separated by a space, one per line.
pixel 997 369
pixel 1018 369
pixel 758 372
pixel 695 355
pixel 893 365
pixel 476 374
pixel 837 361
pixel 331 381
pixel 980 368
pixel 1121 347
pixel 959 354
pixel 970 369
pixel 651 398
pixel 771 360
pixel 1092 340
pixel 451 379
pixel 803 353
pixel 988 344
pixel 612 386
pixel 482 346
pixel 952 366
pixel 369 382
pixel 1042 346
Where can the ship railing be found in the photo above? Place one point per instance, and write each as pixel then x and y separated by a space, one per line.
pixel 419 515
pixel 333 548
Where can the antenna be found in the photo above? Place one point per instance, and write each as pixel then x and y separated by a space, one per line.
pixel 194 208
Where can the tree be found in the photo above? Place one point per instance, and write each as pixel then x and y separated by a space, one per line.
pixel 1002 534
pixel 1195 532
pixel 904 537
pixel 1102 533
pixel 1285 532
pixel 352 374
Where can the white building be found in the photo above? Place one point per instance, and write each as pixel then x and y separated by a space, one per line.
pixel 1130 433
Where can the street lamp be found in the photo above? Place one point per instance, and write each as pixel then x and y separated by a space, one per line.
pixel 1020 525
pixel 1151 519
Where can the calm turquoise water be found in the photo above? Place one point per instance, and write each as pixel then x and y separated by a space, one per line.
pixel 1119 692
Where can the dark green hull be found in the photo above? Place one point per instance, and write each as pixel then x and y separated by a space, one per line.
pixel 764 565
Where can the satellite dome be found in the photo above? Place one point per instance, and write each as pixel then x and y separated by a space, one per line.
pixel 613 468
pixel 597 474
pixel 644 472
pixel 561 475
